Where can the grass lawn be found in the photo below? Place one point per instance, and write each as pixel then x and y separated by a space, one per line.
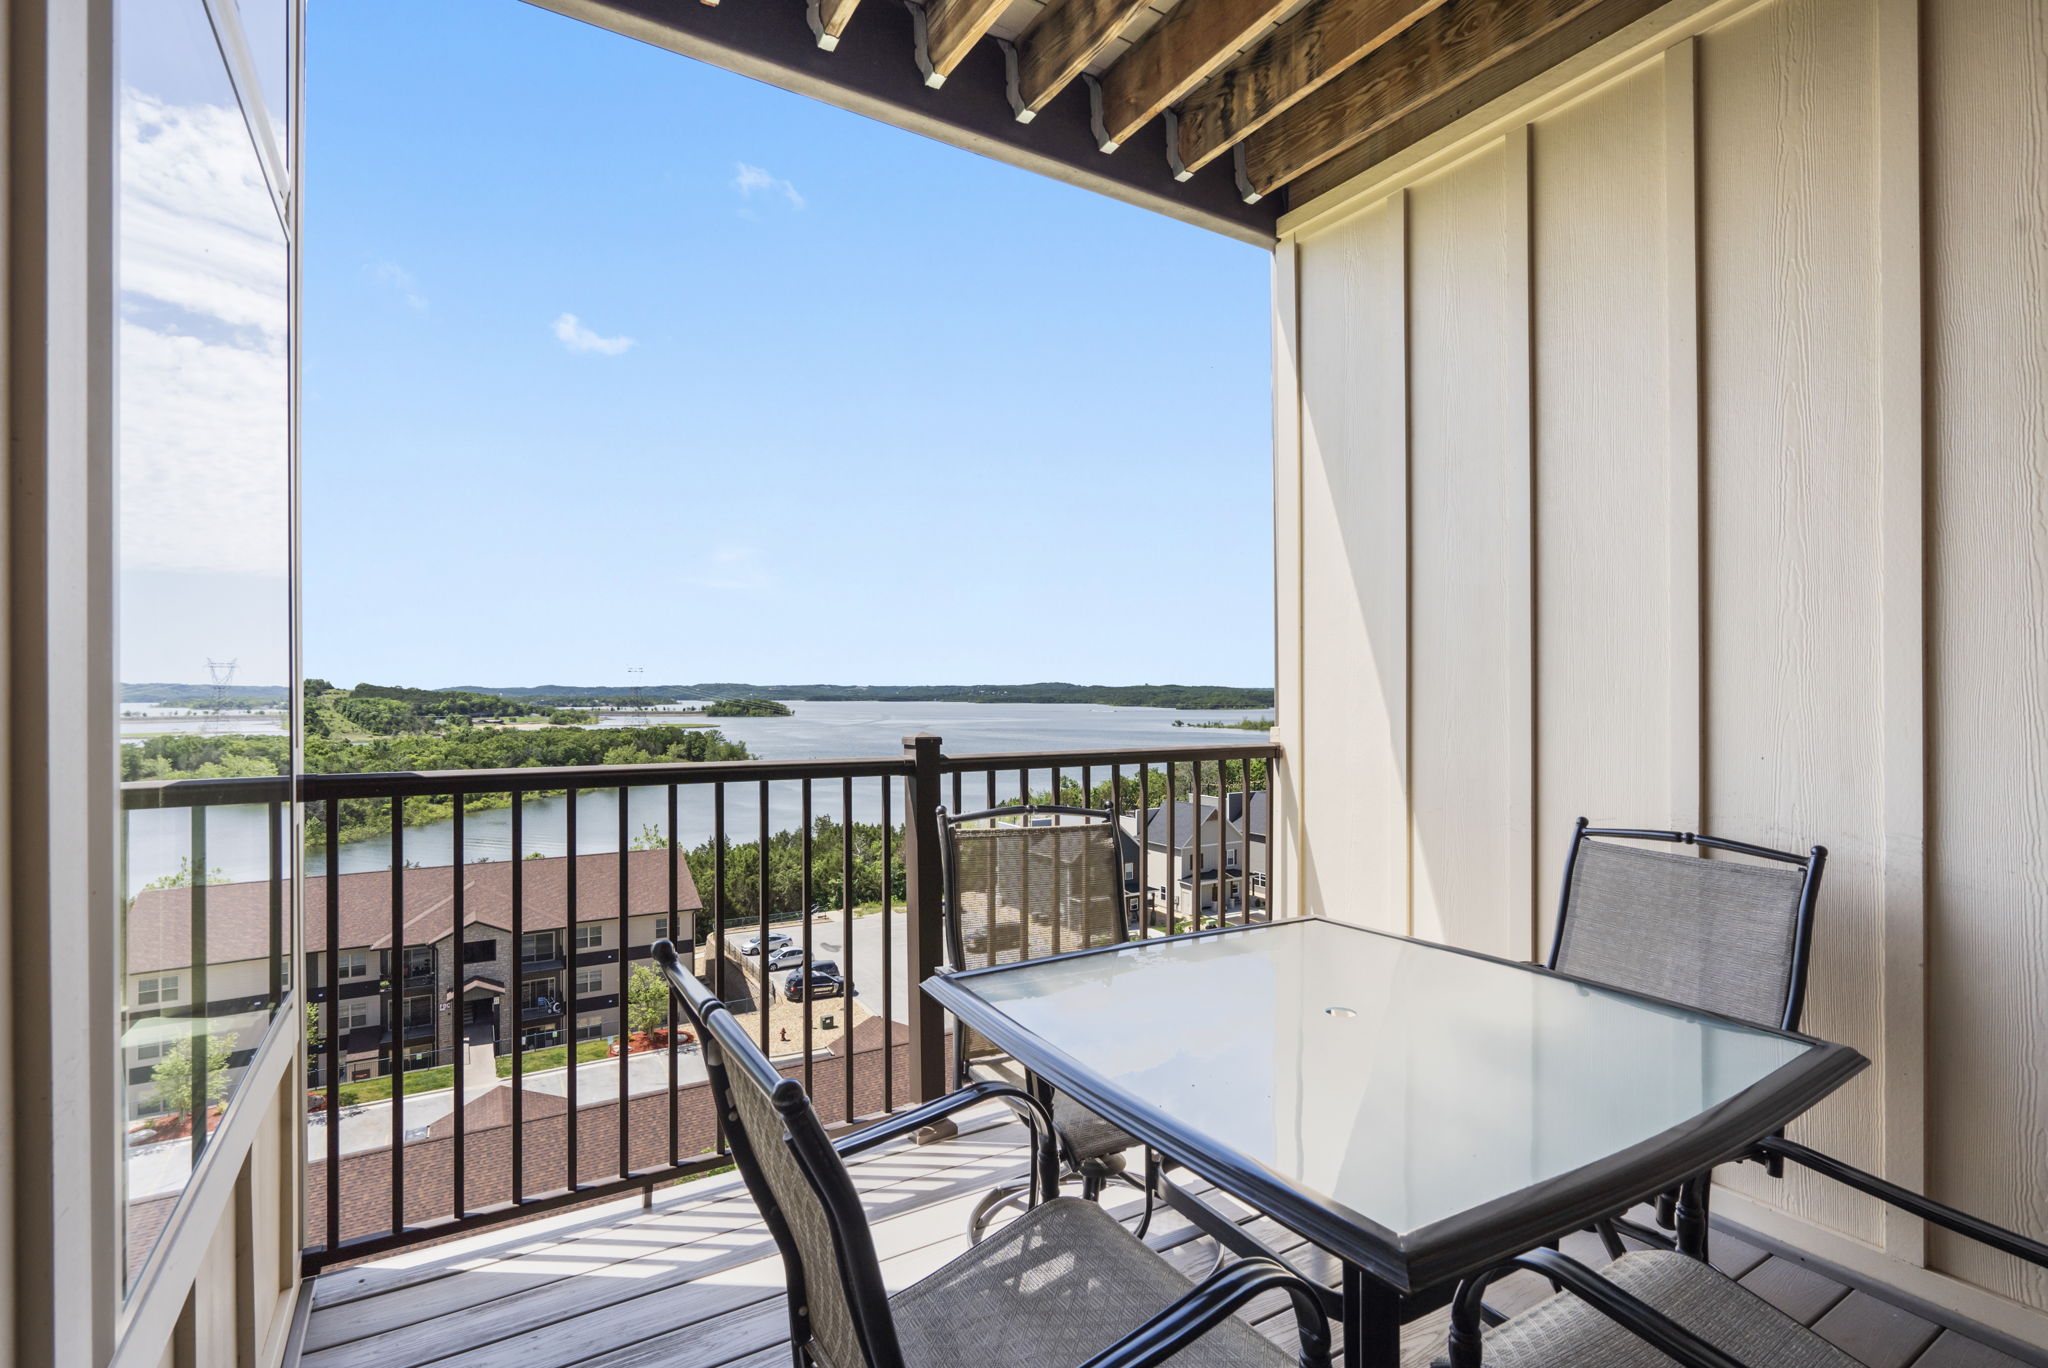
pixel 442 1076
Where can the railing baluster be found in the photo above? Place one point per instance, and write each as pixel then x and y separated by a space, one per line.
pixel 571 1158
pixel 675 916
pixel 1172 857
pixel 275 813
pixel 458 1035
pixel 333 1024
pixel 720 947
pixel 1244 835
pixel 1116 820
pixel 762 987
pixel 888 955
pixel 516 1009
pixel 804 970
pixel 201 1008
pixel 921 859
pixel 846 936
pixel 619 977
pixel 396 1020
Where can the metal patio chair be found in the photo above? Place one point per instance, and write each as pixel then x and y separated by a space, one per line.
pixel 1650 1307
pixel 1015 891
pixel 1063 1285
pixel 1722 936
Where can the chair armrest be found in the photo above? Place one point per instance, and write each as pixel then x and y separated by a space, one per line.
pixel 1209 1303
pixel 1044 1139
pixel 1630 1312
pixel 1926 1208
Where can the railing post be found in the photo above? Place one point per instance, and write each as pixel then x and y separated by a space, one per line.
pixel 924 942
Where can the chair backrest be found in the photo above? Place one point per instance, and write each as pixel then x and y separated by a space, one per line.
pixel 1724 936
pixel 1017 891
pixel 838 1304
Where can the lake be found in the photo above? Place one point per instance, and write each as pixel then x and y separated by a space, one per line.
pixel 838 730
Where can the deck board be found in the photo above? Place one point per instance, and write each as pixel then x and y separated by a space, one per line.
pixel 692 1280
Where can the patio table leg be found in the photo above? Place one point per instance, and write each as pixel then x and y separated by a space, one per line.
pixel 1372 1322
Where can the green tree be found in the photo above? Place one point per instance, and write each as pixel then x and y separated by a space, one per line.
pixel 173 1075
pixel 646 999
pixel 312 1027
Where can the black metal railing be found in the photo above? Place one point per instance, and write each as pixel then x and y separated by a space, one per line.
pixel 856 839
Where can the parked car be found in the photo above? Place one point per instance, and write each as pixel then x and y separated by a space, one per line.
pixel 752 945
pixel 820 980
pixel 785 957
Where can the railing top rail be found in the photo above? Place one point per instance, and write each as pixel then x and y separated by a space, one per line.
pixel 177 793
pixel 1111 755
pixel 180 793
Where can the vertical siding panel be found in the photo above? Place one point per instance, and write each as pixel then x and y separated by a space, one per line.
pixel 1986 64
pixel 1518 431
pixel 1601 502
pixel 1354 569
pixel 1682 371
pixel 1905 615
pixel 1794 734
pixel 1283 852
pixel 1459 246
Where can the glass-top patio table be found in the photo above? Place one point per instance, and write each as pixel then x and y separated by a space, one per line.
pixel 1420 1112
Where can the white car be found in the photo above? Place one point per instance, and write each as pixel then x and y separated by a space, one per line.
pixel 752 945
pixel 786 957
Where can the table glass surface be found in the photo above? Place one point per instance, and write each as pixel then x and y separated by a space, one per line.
pixel 1400 1080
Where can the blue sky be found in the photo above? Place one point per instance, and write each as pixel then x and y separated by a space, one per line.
pixel 614 359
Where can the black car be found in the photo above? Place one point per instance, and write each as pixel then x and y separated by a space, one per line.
pixel 820 979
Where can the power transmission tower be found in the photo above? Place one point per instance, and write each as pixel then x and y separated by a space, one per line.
pixel 223 673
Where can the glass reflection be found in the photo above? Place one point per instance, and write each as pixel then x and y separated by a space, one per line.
pixel 204 601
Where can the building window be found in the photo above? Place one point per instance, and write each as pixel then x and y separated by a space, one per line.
pixel 537 947
pixel 419 962
pixel 540 1040
pixel 419 1011
pixel 153 1050
pixel 590 937
pixel 420 1059
pixel 151 992
pixel 545 993
pixel 354 1013
pixel 661 928
pixel 589 981
pixel 589 1030
pixel 478 952
pixel 353 964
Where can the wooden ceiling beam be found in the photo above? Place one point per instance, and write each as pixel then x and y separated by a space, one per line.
pixel 951 29
pixel 1453 61
pixel 829 19
pixel 1061 43
pixel 1182 50
pixel 1312 48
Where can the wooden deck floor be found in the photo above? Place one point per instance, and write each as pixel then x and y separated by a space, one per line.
pixel 692 1281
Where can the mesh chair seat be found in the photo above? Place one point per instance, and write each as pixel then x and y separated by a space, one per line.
pixel 1564 1332
pixel 1055 1287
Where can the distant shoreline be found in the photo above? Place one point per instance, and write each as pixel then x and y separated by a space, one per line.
pixel 1180 697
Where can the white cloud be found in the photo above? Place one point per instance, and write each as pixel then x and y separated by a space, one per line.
pixel 578 338
pixel 204 399
pixel 398 280
pixel 752 179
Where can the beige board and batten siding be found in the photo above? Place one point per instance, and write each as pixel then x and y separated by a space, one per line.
pixel 1671 440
